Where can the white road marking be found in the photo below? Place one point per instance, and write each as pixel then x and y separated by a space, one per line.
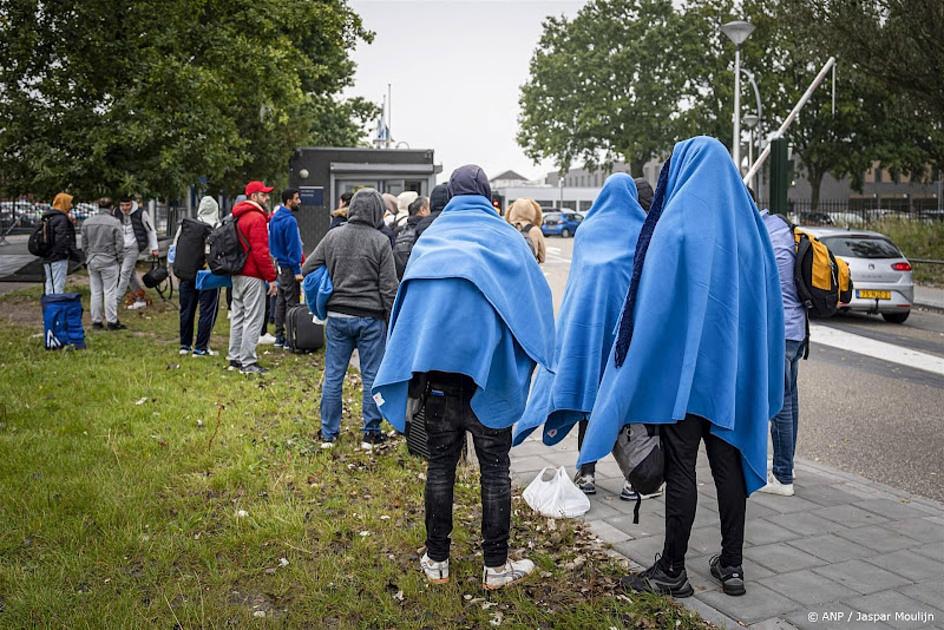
pixel 876 349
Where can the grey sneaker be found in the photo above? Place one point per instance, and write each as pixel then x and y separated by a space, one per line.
pixel 731 578
pixel 494 578
pixel 252 368
pixel 656 579
pixel 436 572
pixel 234 365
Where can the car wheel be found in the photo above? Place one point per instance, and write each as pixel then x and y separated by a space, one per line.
pixel 896 318
pixel 565 233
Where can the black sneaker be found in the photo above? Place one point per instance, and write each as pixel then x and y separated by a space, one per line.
pixel 98 326
pixel 731 578
pixel 586 483
pixel 252 368
pixel 279 342
pixel 656 580
pixel 373 440
pixel 628 493
pixel 116 326
pixel 234 365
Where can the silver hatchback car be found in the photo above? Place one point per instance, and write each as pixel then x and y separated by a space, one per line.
pixel 881 275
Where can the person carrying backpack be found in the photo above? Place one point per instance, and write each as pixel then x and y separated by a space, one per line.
pixel 525 215
pixel 466 345
pixel 54 241
pixel 103 243
pixel 699 351
pixel 783 426
pixel 406 236
pixel 190 249
pixel 249 282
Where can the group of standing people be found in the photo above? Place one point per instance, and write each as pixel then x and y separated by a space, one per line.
pixel 673 316
pixel 112 240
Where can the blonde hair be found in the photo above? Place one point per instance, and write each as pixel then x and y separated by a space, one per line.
pixel 525 210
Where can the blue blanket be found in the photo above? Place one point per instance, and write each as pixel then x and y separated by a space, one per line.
pixel 586 324
pixel 318 288
pixel 473 301
pixel 702 328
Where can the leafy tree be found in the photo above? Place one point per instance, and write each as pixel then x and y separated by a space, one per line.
pixel 99 96
pixel 617 82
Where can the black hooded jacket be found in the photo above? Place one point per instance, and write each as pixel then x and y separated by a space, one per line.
pixel 438 199
pixel 359 260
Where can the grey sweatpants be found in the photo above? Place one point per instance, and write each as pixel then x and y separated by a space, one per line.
pixel 103 282
pixel 128 278
pixel 245 324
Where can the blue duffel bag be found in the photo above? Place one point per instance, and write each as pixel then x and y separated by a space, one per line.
pixel 62 321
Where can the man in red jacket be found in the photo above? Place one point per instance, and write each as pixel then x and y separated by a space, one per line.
pixel 249 286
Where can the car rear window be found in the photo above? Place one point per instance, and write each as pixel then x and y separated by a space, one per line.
pixel 861 247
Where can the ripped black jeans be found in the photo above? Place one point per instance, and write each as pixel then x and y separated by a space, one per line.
pixel 448 417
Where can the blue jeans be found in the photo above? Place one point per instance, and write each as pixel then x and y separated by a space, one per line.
pixel 783 426
pixel 342 335
pixel 56 276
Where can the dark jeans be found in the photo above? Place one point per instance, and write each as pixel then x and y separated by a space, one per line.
pixel 448 417
pixel 783 426
pixel 287 297
pixel 589 468
pixel 680 444
pixel 190 297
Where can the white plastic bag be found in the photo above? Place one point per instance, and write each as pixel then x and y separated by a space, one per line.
pixel 556 496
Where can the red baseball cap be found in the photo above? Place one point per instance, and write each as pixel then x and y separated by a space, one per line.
pixel 257 186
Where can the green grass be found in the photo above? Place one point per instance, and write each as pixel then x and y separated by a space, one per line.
pixel 139 488
pixel 917 239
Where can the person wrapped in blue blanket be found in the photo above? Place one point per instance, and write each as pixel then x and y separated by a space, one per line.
pixel 699 351
pixel 586 324
pixel 472 318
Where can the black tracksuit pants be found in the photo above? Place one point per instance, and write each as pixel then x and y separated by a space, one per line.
pixel 680 444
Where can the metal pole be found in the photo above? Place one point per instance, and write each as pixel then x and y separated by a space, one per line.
pixel 389 116
pixel 736 143
pixel 793 114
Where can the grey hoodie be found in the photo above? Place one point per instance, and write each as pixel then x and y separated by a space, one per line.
pixel 359 260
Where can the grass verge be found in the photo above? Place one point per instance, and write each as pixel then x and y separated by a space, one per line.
pixel 143 488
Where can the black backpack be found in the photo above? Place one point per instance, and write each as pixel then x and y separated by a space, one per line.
pixel 526 233
pixel 638 452
pixel 403 247
pixel 227 256
pixel 191 248
pixel 41 240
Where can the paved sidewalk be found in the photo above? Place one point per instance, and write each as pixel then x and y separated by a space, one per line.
pixel 929 297
pixel 842 544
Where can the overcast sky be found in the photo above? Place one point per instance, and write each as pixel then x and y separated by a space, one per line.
pixel 455 68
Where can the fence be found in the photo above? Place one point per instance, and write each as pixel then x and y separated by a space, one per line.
pixel 21 216
pixel 853 213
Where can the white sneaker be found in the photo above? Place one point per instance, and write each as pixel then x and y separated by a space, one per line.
pixel 436 572
pixel 327 445
pixel 266 339
pixel 138 305
pixel 775 487
pixel 183 351
pixel 512 571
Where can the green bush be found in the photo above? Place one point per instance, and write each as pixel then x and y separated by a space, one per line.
pixel 917 239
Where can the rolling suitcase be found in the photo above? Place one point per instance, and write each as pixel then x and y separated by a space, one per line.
pixel 302 334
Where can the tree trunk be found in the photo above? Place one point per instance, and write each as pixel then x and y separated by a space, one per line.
pixel 636 167
pixel 816 181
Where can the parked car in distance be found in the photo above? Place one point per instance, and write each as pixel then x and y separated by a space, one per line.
pixel 881 275
pixel 560 223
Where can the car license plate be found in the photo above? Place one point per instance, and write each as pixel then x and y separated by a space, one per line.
pixel 864 294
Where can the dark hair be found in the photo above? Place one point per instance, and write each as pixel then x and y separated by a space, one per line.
pixel 105 203
pixel 125 199
pixel 418 205
pixel 288 193
pixel 346 198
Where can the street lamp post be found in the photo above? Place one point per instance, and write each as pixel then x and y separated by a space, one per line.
pixel 750 121
pixel 737 31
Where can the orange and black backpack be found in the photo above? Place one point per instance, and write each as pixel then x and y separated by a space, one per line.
pixel 823 281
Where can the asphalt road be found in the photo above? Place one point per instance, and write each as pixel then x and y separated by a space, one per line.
pixel 876 418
